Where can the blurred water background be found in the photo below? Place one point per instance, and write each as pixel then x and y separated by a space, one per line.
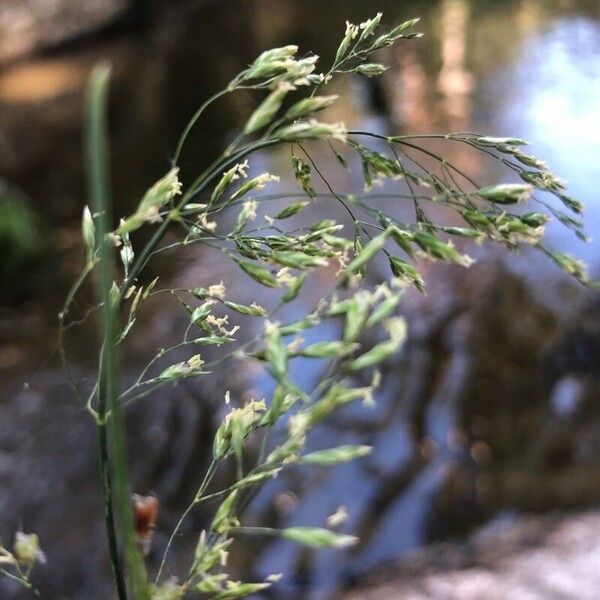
pixel 528 68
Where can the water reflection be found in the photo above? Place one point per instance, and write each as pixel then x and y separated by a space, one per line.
pixel 455 82
pixel 554 96
pixel 529 68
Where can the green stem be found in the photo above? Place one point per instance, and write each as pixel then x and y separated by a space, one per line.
pixel 21 580
pixel 193 121
pixel 197 499
pixel 109 515
pixel 255 531
pixel 111 431
pixel 97 175
pixel 61 328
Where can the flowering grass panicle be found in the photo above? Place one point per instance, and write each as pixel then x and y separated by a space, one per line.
pixel 282 256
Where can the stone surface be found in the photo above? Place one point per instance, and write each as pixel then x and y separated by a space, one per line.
pixel 29 25
pixel 531 558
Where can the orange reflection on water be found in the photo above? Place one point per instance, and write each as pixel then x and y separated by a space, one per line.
pixel 455 82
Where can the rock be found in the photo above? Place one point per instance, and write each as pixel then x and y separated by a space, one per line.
pixel 29 25
pixel 532 558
